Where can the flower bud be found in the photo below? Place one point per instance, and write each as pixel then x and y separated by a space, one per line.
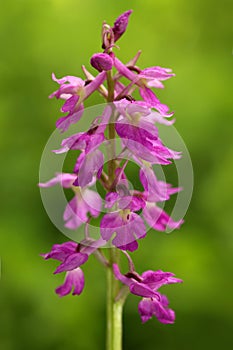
pixel 101 61
pixel 121 24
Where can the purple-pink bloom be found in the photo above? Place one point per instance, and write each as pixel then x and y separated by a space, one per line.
pixel 72 255
pixel 135 124
pixel 85 201
pixel 149 77
pixel 146 286
pixel 140 135
pixel 90 162
pixel 71 260
pixel 127 225
pixel 74 91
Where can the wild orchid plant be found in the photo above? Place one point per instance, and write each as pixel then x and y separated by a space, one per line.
pixel 128 211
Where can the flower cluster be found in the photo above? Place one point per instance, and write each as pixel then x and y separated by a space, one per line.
pixel 127 212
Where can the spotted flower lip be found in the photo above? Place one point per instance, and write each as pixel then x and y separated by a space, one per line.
pixel 128 227
pixel 123 201
pixel 146 286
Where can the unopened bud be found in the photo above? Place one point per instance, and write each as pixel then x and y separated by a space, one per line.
pixel 101 61
pixel 121 24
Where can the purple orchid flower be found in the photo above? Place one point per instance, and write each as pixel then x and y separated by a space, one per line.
pixel 129 211
pixel 72 256
pixel 74 91
pixel 146 286
pixel 157 191
pixel 127 225
pixel 90 162
pixel 140 135
pixel 85 201
pixel 149 77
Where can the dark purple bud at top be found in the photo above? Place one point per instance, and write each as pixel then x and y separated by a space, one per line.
pixel 101 61
pixel 121 24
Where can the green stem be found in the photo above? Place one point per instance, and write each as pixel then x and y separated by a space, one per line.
pixel 117 325
pixel 114 308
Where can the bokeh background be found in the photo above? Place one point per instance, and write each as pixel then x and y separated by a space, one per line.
pixel 195 39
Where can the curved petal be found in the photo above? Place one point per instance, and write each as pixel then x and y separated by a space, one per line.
pixel 159 219
pixel 64 179
pixel 61 251
pixel 142 290
pixel 93 202
pixel 72 262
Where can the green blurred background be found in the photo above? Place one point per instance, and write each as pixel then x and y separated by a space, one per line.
pixel 195 39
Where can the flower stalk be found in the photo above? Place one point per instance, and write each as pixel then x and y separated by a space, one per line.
pixel 128 210
pixel 114 308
